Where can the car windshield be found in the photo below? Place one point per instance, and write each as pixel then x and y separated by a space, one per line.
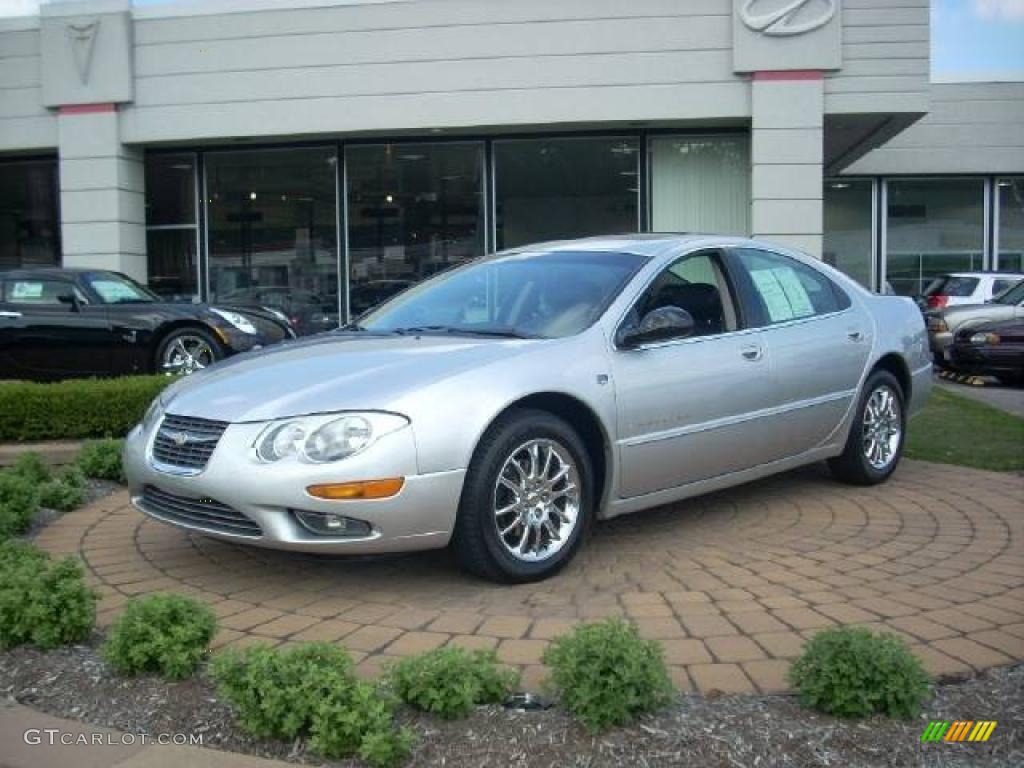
pixel 118 289
pixel 952 285
pixel 1013 295
pixel 527 295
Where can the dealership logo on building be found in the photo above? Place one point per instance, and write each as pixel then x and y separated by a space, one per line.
pixel 785 18
pixel 83 40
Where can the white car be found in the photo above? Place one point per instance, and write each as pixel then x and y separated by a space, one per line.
pixel 958 288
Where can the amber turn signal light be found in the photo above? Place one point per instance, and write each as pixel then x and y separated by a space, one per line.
pixel 363 489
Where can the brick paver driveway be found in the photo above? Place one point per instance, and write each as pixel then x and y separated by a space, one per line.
pixel 731 584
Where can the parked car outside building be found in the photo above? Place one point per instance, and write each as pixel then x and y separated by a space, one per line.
pixel 65 323
pixel 991 349
pixel 944 324
pixel 960 288
pixel 506 404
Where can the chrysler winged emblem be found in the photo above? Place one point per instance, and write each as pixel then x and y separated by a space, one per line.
pixel 178 438
pixel 83 39
pixel 784 18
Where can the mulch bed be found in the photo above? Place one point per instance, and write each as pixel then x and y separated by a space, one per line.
pixel 722 731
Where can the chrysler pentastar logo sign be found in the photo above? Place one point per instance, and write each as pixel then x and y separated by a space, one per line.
pixel 785 18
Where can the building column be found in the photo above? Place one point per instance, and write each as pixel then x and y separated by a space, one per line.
pixel 102 200
pixel 787 147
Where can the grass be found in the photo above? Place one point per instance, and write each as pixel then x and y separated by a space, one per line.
pixel 957 430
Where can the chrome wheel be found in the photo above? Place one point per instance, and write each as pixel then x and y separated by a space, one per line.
pixel 537 500
pixel 187 354
pixel 882 427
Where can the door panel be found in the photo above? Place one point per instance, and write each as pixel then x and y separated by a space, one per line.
pixel 691 410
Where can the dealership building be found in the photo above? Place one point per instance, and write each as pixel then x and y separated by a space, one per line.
pixel 331 152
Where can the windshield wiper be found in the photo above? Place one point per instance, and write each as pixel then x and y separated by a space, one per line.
pixel 504 332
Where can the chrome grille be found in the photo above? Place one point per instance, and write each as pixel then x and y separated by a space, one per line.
pixel 186 443
pixel 207 514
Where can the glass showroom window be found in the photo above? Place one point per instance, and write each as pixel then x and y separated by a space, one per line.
pixel 1010 224
pixel 413 210
pixel 549 189
pixel 933 226
pixel 272 232
pixel 849 234
pixel 172 232
pixel 29 224
pixel 700 184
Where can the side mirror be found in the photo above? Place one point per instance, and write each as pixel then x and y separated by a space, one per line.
pixel 662 324
pixel 71 300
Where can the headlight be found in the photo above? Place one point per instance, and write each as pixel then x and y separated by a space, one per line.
pixel 985 338
pixel 937 325
pixel 241 322
pixel 323 439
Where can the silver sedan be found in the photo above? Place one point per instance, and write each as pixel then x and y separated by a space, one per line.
pixel 505 405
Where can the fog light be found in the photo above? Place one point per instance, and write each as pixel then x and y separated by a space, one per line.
pixel 364 489
pixel 329 524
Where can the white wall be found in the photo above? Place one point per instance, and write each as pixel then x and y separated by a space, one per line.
pixel 24 123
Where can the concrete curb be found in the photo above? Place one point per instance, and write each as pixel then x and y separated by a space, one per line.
pixel 54 452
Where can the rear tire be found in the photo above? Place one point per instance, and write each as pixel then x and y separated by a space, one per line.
pixel 875 443
pixel 527 499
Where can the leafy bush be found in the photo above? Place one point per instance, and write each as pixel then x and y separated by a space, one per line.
pixel 311 689
pixel 101 459
pixel 64 492
pixel 31 467
pixel 606 674
pixel 851 672
pixel 19 498
pixel 76 408
pixel 42 602
pixel 449 682
pixel 161 633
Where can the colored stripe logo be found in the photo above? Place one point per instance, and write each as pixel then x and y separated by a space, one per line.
pixel 959 730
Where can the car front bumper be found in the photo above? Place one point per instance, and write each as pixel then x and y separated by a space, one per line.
pixel 420 516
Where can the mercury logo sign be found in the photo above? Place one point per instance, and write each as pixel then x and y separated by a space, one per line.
pixel 785 18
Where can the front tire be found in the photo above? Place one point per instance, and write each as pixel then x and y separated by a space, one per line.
pixel 527 499
pixel 875 444
pixel 187 350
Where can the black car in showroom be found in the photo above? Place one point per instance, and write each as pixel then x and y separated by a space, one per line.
pixel 66 323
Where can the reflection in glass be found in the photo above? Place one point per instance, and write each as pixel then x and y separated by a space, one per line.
pixel 848 232
pixel 934 226
pixel 413 210
pixel 29 227
pixel 171 229
pixel 1011 224
pixel 701 184
pixel 273 233
pixel 551 189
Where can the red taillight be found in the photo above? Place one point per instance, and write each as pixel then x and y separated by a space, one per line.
pixel 938 301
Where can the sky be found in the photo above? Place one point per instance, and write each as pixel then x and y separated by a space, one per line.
pixel 972 40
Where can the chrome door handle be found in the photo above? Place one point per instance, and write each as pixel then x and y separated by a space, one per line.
pixel 855 336
pixel 10 315
pixel 751 353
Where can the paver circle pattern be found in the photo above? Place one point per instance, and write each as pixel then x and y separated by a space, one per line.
pixel 731 584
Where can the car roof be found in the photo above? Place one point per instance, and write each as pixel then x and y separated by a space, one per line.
pixel 649 244
pixel 52 272
pixel 985 273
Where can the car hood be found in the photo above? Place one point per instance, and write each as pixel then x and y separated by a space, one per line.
pixel 331 372
pixel 975 313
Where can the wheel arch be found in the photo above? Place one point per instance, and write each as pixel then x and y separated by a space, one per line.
pixel 894 363
pixel 588 425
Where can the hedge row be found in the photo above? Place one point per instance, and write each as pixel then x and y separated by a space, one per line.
pixel 75 409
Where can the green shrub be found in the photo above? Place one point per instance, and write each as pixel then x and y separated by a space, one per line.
pixel 606 674
pixel 101 459
pixel 64 492
pixel 42 602
pixel 74 409
pixel 161 633
pixel 449 682
pixel 310 689
pixel 19 499
pixel 31 467
pixel 851 672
